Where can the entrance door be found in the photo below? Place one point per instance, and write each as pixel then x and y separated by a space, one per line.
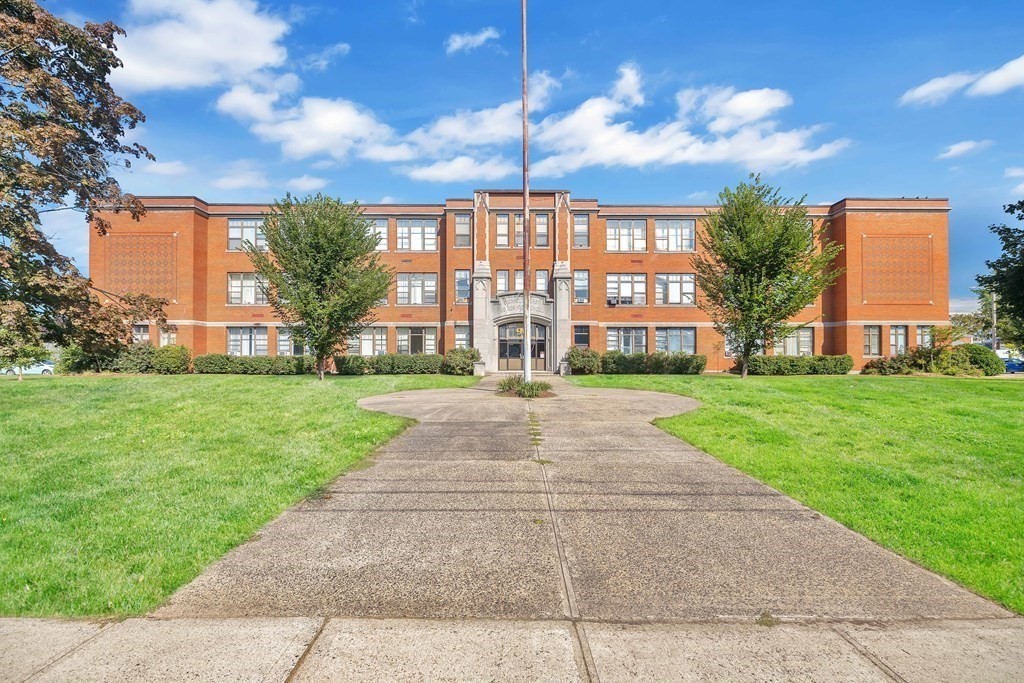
pixel 510 347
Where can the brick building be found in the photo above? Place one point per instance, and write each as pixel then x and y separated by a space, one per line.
pixel 606 276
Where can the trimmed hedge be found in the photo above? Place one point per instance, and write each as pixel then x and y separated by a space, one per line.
pixel 351 365
pixel 172 360
pixel 583 361
pixel 391 364
pixel 460 361
pixel 800 365
pixel 222 364
pixel 659 363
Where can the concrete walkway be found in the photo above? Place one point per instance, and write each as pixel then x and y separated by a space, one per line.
pixel 555 539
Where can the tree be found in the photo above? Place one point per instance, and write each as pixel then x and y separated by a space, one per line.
pixel 62 127
pixel 978 324
pixel 322 272
pixel 761 262
pixel 20 343
pixel 1006 276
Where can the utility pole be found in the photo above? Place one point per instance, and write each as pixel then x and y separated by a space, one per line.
pixel 994 296
pixel 527 350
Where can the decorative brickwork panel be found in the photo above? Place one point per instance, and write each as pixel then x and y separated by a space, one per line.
pixel 897 269
pixel 141 264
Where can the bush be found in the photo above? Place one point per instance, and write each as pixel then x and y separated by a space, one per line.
pixel 583 361
pixel 692 364
pixel 213 364
pixel 889 365
pixel 460 361
pixel 73 361
pixel 659 363
pixel 351 365
pixel 172 360
pixel 403 364
pixel 972 360
pixel 515 385
pixel 981 357
pixel 510 384
pixel 800 365
pixel 137 359
pixel 221 364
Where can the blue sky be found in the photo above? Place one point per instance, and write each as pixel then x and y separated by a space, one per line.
pixel 647 101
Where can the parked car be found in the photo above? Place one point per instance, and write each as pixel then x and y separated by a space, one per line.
pixel 41 368
pixel 1014 365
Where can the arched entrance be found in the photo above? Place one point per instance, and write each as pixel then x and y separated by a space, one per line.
pixel 510 346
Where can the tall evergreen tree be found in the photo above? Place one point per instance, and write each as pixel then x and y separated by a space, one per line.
pixel 761 262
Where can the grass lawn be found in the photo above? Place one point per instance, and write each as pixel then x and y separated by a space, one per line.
pixel 932 468
pixel 115 491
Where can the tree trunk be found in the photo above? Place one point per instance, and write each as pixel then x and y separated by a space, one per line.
pixel 320 364
pixel 744 362
pixel 21 374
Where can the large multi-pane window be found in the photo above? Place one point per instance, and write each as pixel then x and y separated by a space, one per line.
pixel 417 289
pixel 417 234
pixel 627 289
pixel 581 230
pixel 462 336
pixel 581 336
pixel 897 339
pixel 380 231
pixel 247 289
pixel 627 235
pixel 502 281
pixel 371 341
pixel 671 234
pixel 541 281
pixel 872 340
pixel 675 288
pixel 461 286
pixel 519 230
pixel 247 341
pixel 800 343
pixel 674 339
pixel 414 340
pixel 140 333
pixel 502 240
pixel 287 345
pixel 168 337
pixel 519 280
pixel 924 336
pixel 541 220
pixel 462 231
pixel 627 339
pixel 241 230
pixel 581 286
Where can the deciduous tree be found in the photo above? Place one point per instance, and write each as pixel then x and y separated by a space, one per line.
pixel 1006 275
pixel 322 271
pixel 20 343
pixel 761 262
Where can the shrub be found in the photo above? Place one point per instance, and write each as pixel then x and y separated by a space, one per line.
pixel 693 363
pixel 172 360
pixel 221 364
pixel 659 363
pixel 515 385
pixel 800 365
pixel 981 357
pixel 213 364
pixel 613 363
pixel 460 361
pixel 351 365
pixel 583 361
pixel 510 384
pixel 73 360
pixel 137 359
pixel 404 364
pixel 888 365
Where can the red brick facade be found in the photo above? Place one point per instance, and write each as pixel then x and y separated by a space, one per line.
pixel 895 258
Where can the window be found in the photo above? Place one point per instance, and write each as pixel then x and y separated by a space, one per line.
pixel 414 340
pixel 247 289
pixel 541 281
pixel 627 235
pixel 286 346
pixel 417 289
pixel 502 230
pixel 502 281
pixel 581 230
pixel 247 341
pixel 242 230
pixel 417 234
pixel 675 288
pixel 380 229
pixel 674 234
pixel 140 333
pixel 581 286
pixel 168 338
pixel 627 289
pixel 461 286
pixel 519 230
pixel 897 339
pixel 675 339
pixel 371 341
pixel 462 333
pixel 924 336
pixel 462 233
pixel 732 346
pixel 581 336
pixel 627 339
pixel 519 281
pixel 800 343
pixel 541 222
pixel 872 340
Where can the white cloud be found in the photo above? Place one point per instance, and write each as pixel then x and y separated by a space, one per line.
pixel 937 90
pixel 307 183
pixel 175 44
pixel 965 147
pixel 335 127
pixel 165 168
pixel 244 102
pixel 463 168
pixel 387 199
pixel 699 196
pixel 319 61
pixel 242 175
pixel 628 87
pixel 1016 172
pixel 998 81
pixel 964 304
pixel 464 42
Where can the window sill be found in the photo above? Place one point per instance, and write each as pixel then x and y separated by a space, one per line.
pixel 608 251
pixel 675 305
pixel 415 305
pixel 417 251
pixel 247 305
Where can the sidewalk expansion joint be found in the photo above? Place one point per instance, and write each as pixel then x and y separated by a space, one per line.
pixel 871 657
pixel 305 652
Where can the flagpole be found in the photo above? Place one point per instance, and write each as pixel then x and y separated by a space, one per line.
pixel 527 331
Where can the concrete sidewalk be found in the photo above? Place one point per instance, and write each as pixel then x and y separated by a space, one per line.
pixel 555 539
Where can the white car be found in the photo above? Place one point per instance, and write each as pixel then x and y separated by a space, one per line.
pixel 41 368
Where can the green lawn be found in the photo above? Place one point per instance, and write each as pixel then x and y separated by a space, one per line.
pixel 115 491
pixel 930 467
